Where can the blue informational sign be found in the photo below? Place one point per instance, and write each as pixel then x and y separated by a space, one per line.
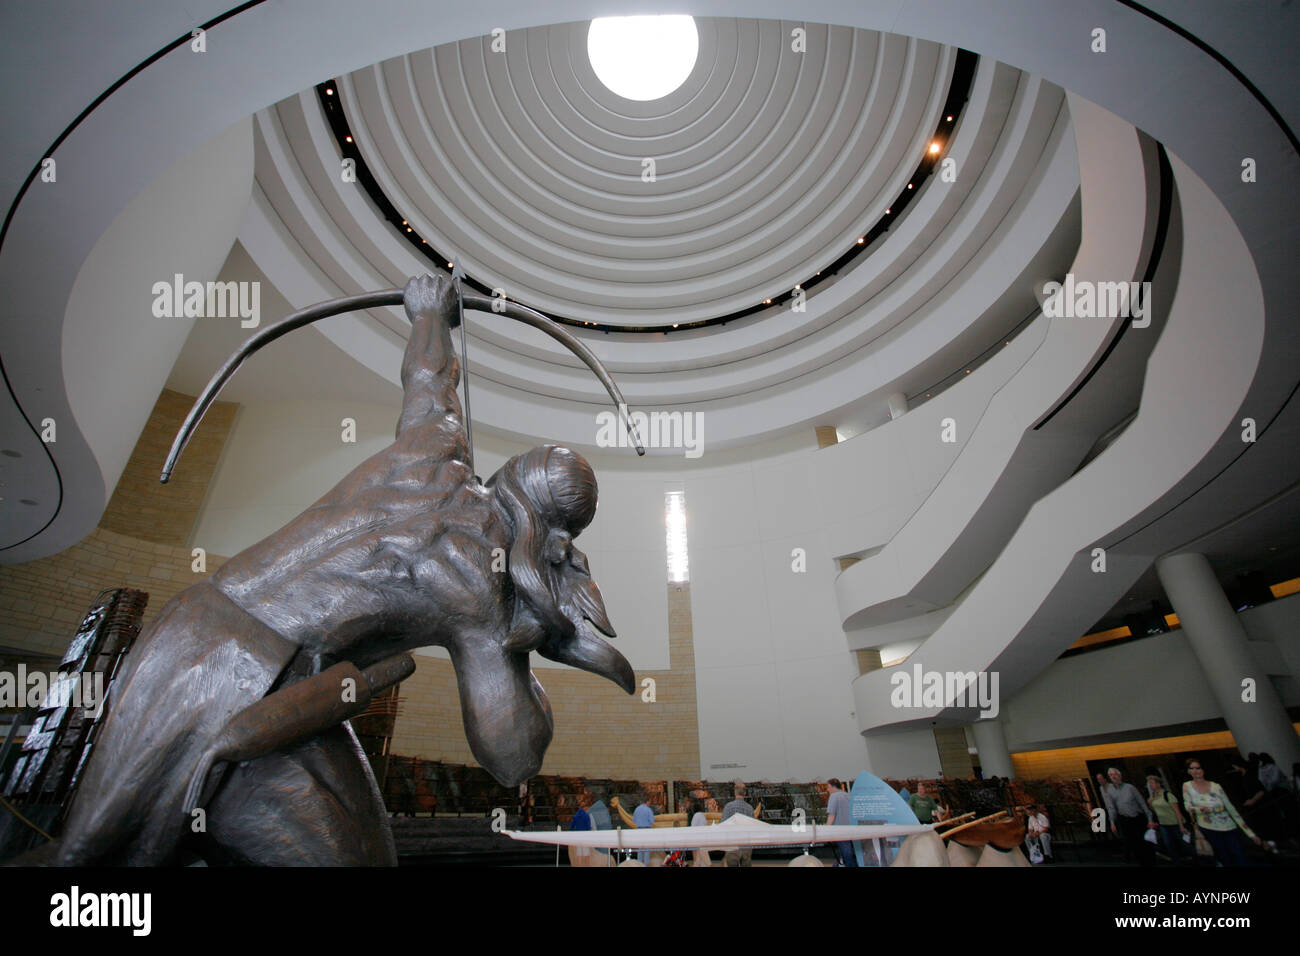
pixel 871 800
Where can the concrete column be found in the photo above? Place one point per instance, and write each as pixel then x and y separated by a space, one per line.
pixel 897 405
pixel 1259 723
pixel 995 758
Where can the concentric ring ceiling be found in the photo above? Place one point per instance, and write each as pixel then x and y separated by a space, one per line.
pixel 758 171
pixel 768 164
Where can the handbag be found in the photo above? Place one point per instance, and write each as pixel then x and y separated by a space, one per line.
pixel 1035 852
pixel 1150 836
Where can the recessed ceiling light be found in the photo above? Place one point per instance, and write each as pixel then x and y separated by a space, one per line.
pixel 643 58
pixel 949 119
pixel 934 148
pixel 329 91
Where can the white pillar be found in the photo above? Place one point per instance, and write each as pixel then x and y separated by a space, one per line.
pixel 995 758
pixel 1259 722
pixel 897 405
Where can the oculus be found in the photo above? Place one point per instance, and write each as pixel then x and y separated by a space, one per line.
pixel 643 58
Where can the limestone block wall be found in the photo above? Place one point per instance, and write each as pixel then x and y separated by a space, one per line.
pixel 599 730
pixel 142 540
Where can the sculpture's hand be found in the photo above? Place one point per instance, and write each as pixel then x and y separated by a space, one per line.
pixel 428 296
pixel 430 371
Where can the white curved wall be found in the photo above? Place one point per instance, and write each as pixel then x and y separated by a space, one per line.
pixel 184 223
pixel 1005 464
pixel 1040 593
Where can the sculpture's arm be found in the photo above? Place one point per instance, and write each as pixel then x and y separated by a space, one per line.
pixel 430 370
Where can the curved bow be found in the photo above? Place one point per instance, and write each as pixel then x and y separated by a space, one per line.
pixel 370 300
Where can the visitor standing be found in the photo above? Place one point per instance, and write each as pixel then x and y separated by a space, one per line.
pixel 644 818
pixel 701 855
pixel 1170 817
pixel 740 856
pixel 924 805
pixel 1130 817
pixel 1215 816
pixel 837 814
pixel 580 855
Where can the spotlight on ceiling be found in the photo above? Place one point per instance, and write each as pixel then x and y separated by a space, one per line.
pixel 934 149
pixel 643 58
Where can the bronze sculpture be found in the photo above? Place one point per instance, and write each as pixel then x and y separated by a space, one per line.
pixel 250 673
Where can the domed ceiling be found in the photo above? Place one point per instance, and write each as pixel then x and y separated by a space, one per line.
pixel 763 167
pixel 809 222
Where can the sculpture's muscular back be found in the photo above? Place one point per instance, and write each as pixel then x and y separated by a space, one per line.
pixel 400 554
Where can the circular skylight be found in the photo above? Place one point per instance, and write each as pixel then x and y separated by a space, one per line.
pixel 643 58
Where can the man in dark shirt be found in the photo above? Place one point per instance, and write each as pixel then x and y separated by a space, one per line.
pixel 1130 817
pixel 743 855
pixel 837 814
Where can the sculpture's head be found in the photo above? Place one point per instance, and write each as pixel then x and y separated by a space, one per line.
pixel 548 496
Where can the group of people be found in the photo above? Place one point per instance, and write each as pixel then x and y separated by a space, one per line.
pixel 923 804
pixel 643 816
pixel 1208 811
pixel 1208 818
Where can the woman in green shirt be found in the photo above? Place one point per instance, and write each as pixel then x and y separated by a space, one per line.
pixel 1214 813
pixel 1172 826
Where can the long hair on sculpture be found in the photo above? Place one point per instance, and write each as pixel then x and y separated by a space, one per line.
pixel 549 494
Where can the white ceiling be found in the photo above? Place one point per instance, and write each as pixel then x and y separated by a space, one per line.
pixel 768 163
pixel 769 166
